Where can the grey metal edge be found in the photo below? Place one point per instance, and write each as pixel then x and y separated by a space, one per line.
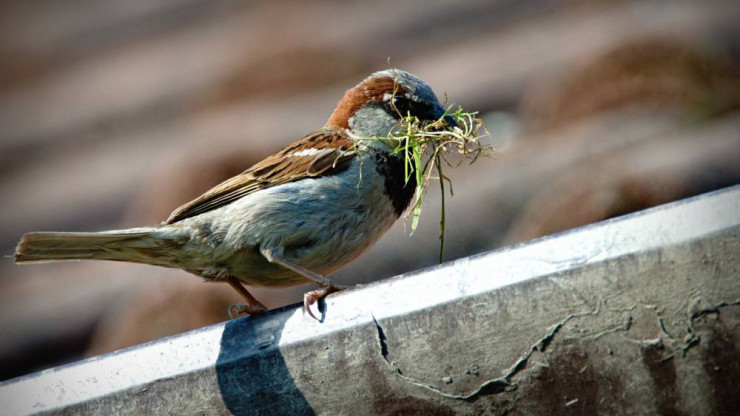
pixel 129 375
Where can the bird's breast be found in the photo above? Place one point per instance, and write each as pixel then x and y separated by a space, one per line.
pixel 320 223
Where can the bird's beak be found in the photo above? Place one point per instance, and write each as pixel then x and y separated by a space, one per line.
pixel 450 122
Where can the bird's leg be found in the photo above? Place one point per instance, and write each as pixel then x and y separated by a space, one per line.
pixel 252 306
pixel 273 256
pixel 309 298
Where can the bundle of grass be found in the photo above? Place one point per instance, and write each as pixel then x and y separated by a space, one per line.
pixel 450 141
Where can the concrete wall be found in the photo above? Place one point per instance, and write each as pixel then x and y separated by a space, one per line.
pixel 637 315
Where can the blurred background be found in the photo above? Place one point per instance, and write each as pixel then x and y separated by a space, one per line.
pixel 114 113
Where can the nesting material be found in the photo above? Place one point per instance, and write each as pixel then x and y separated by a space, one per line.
pixel 429 148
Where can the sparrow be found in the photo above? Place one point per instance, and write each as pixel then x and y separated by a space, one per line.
pixel 293 218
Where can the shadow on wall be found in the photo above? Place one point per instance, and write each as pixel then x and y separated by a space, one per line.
pixel 253 376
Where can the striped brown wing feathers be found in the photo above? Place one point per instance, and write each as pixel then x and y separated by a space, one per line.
pixel 324 152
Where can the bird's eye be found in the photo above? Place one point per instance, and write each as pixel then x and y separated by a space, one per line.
pixel 401 104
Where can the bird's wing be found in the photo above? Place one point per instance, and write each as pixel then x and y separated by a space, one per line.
pixel 323 152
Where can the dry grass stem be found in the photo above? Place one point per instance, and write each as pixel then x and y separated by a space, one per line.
pixel 429 147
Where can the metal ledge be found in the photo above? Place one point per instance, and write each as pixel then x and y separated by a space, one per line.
pixel 634 315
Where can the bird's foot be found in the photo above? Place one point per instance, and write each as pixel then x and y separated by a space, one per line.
pixel 240 309
pixel 314 296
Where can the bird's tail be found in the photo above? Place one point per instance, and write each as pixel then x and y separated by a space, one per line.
pixel 139 245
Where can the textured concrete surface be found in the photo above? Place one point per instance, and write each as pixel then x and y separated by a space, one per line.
pixel 637 315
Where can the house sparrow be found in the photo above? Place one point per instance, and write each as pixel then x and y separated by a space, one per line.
pixel 290 219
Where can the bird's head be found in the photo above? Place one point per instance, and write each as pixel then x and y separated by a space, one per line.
pixel 375 106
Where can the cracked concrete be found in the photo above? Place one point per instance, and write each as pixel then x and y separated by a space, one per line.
pixel 625 336
pixel 647 330
pixel 492 386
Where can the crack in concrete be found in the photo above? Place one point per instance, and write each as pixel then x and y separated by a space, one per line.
pixel 504 383
pixel 541 345
pixel 663 330
pixel 625 326
pixel 696 310
pixel 491 386
pixel 663 338
pixel 646 343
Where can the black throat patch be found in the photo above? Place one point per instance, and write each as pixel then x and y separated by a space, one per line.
pixel 398 190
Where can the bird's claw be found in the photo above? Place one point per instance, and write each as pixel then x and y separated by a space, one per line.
pixel 314 296
pixel 235 311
